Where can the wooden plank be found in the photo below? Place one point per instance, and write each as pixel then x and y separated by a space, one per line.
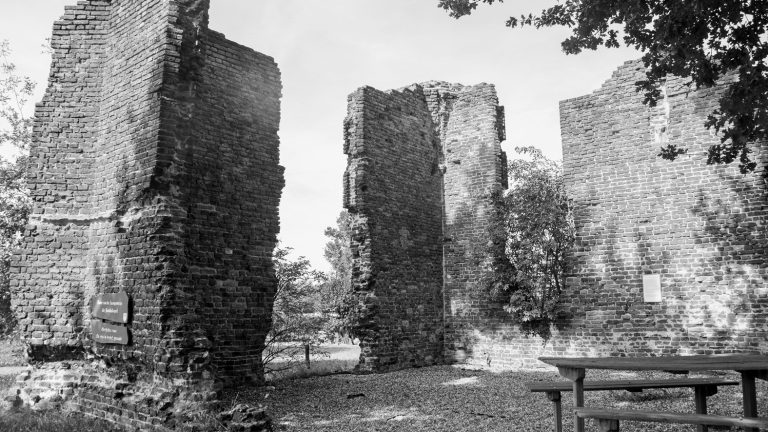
pixel 754 362
pixel 629 384
pixel 666 417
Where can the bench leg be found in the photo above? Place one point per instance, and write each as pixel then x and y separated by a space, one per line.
pixel 749 396
pixel 554 396
pixel 605 425
pixel 700 396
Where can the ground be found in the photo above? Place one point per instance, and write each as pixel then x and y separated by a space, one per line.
pixel 450 398
pixel 439 398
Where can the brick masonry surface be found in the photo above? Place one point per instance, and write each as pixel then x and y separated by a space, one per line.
pixel 154 171
pixel 423 162
pixel 700 228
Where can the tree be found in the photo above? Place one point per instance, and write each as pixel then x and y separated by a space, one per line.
pixel 339 255
pixel 295 322
pixel 530 238
pixel 336 291
pixel 16 132
pixel 702 41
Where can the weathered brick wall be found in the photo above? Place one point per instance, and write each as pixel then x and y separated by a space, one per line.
pixel 475 169
pixel 423 162
pixel 392 190
pixel 155 171
pixel 233 184
pixel 702 228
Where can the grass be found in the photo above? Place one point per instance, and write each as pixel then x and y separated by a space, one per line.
pixel 324 360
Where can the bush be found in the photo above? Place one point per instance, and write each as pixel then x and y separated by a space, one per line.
pixel 530 238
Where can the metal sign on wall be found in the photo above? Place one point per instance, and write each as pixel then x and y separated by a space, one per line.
pixel 110 313
pixel 111 307
pixel 108 333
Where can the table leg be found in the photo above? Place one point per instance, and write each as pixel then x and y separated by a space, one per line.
pixel 749 395
pixel 700 397
pixel 554 396
pixel 577 376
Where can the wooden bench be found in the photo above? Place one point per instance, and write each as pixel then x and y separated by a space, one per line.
pixel 703 387
pixel 608 419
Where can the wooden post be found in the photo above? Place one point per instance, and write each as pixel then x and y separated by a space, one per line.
pixel 700 397
pixel 577 376
pixel 554 396
pixel 749 396
pixel 306 354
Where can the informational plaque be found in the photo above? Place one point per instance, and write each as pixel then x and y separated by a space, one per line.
pixel 108 333
pixel 652 288
pixel 111 307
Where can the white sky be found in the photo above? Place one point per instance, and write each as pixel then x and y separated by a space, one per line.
pixel 327 49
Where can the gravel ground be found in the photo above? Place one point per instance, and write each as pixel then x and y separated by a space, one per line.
pixel 446 398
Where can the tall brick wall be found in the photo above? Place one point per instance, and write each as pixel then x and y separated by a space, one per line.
pixel 701 228
pixel 475 169
pixel 154 171
pixel 392 190
pixel 422 164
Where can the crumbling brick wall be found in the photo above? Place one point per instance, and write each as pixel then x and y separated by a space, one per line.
pixel 392 190
pixel 154 171
pixel 423 162
pixel 700 227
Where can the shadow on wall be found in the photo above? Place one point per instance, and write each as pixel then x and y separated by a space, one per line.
pixel 734 248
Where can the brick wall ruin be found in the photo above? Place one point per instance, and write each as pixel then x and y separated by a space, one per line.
pixel 154 172
pixel 700 229
pixel 423 162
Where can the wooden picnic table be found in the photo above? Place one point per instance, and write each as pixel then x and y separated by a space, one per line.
pixel 751 366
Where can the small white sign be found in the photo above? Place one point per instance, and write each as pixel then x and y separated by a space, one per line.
pixel 652 288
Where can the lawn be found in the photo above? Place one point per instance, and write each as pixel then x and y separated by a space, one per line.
pixel 324 360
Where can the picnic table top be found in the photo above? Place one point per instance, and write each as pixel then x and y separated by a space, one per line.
pixel 737 362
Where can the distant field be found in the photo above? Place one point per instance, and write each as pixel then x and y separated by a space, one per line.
pixel 324 360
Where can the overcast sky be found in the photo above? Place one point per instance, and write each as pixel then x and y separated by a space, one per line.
pixel 327 49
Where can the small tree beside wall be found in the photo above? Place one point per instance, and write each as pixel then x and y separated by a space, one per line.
pixel 530 238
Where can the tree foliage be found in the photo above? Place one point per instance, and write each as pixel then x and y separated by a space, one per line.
pixel 530 239
pixel 295 320
pixel 700 40
pixel 338 254
pixel 15 133
pixel 336 292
